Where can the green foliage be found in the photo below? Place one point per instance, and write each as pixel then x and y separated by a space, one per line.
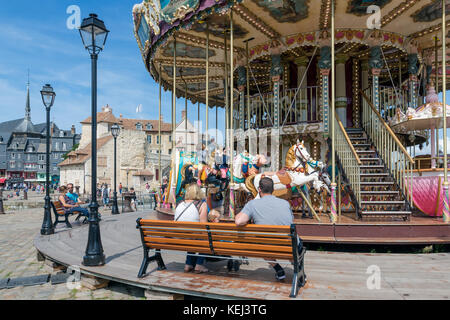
pixel 75 147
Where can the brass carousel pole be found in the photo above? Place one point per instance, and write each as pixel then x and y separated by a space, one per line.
pixel 333 121
pixel 226 90
pixel 159 133
pixel 436 64
pixel 174 109
pixel 445 213
pixel 231 115
pixel 207 86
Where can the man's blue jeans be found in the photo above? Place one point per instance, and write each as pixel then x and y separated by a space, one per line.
pixel 192 259
pixel 84 212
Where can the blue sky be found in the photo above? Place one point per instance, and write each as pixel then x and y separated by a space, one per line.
pixel 35 36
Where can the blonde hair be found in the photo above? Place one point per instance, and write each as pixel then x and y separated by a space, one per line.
pixel 193 192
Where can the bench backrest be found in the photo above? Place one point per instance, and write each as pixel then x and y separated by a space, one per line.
pixel 252 240
pixel 58 207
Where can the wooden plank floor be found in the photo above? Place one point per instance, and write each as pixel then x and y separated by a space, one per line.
pixel 330 275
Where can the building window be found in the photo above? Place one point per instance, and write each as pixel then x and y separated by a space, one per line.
pixel 148 126
pixel 157 139
pixel 170 151
pixel 55 155
pixel 170 138
pixel 56 146
pixel 12 164
pixel 13 155
pixel 149 139
pixel 18 156
pixel 138 126
pixel 41 166
pixel 61 133
pixel 157 174
pixel 64 146
pixel 41 157
pixel 28 157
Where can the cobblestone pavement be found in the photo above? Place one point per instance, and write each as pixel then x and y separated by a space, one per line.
pixel 18 259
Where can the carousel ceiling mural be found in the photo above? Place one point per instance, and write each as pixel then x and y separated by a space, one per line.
pixel 217 25
pixel 185 71
pixel 359 7
pixel 430 12
pixel 197 87
pixel 285 10
pixel 186 51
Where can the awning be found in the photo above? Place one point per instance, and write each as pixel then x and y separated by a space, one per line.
pixel 2 180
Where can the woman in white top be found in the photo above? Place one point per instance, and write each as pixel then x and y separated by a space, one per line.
pixel 193 209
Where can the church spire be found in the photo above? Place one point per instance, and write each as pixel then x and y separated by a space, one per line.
pixel 27 105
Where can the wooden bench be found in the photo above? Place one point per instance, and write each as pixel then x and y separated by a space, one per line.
pixel 59 212
pixel 222 239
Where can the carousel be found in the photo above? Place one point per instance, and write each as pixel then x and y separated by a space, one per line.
pixel 324 97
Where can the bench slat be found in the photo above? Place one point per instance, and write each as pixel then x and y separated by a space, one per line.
pixel 217 226
pixel 221 245
pixel 218 237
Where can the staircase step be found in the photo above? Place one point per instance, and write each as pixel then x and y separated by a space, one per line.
pixel 386 213
pixel 379 193
pixel 362 145
pixel 372 167
pixel 365 151
pixel 358 138
pixel 377 184
pixel 376 174
pixel 387 203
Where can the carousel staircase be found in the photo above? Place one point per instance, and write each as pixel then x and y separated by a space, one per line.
pixel 381 197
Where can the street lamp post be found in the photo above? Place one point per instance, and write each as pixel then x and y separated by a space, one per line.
pixel 115 130
pixel 93 34
pixel 48 98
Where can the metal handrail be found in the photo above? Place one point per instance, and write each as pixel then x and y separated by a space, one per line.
pixel 389 148
pixel 349 159
pixel 389 130
pixel 347 138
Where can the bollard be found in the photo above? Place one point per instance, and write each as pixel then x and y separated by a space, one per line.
pixel 25 195
pixel 2 211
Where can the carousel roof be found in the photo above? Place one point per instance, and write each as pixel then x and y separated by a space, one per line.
pixel 295 27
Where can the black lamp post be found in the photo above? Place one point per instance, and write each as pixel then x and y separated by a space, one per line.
pixel 115 130
pixel 48 98
pixel 93 34
pixel 2 211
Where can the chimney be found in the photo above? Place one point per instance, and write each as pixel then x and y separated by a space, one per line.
pixel 52 129
pixel 161 118
pixel 72 130
pixel 183 114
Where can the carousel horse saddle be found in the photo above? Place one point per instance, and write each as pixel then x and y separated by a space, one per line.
pixel 284 177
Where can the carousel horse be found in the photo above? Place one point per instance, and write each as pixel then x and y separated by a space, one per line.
pixel 246 165
pixel 300 169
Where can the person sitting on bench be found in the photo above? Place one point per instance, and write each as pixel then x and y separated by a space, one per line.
pixel 69 205
pixel 193 208
pixel 268 210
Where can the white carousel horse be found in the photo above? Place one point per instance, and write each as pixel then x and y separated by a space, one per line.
pixel 254 163
pixel 300 170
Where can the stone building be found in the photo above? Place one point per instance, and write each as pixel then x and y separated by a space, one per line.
pixel 137 153
pixel 23 149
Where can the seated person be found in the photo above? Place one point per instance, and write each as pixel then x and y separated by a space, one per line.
pixel 74 197
pixel 193 209
pixel 69 205
pixel 215 202
pixel 268 210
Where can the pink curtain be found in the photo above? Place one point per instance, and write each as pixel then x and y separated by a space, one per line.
pixel 425 195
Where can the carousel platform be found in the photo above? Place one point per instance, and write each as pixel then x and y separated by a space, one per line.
pixel 420 230
pixel 330 275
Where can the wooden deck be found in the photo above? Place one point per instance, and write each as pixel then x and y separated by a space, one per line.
pixel 420 230
pixel 329 275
